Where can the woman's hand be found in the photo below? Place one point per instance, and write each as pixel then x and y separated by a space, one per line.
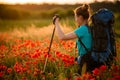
pixel 61 34
pixel 56 19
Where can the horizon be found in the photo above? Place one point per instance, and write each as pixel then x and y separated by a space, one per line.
pixel 49 1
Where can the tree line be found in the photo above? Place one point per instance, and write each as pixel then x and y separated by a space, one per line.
pixel 34 11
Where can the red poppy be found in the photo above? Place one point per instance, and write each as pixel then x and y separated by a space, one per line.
pixel 96 72
pixel 2 67
pixel 78 78
pixel 9 70
pixel 111 79
pixel 117 77
pixel 23 78
pixel 103 67
pixel 1 74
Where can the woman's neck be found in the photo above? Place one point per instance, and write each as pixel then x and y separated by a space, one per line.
pixel 84 23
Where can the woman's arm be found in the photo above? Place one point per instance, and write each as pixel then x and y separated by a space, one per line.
pixel 61 34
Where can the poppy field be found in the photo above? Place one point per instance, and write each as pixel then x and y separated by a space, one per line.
pixel 23 58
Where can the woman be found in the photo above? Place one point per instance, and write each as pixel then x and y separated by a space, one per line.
pixel 82 15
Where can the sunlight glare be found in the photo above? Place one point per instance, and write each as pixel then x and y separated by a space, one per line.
pixel 44 1
pixel 23 1
pixel 48 1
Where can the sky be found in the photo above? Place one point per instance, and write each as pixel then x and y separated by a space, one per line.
pixel 48 1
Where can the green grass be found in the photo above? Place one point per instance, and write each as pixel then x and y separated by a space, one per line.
pixel 6 25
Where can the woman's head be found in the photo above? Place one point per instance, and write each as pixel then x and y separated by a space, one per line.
pixel 82 14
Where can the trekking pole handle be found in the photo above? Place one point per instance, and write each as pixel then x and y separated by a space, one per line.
pixel 55 17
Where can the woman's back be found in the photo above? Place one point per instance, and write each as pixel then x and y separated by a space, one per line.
pixel 84 34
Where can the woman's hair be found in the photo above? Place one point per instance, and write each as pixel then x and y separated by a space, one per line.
pixel 83 10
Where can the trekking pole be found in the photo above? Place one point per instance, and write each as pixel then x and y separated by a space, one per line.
pixel 75 51
pixel 56 16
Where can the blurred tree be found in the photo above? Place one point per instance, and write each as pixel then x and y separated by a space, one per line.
pixel 10 13
pixel 117 1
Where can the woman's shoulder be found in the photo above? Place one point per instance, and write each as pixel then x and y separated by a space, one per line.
pixel 83 27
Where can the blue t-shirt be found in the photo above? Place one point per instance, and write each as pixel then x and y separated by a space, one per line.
pixel 84 34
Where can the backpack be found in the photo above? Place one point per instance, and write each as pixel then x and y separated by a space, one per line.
pixel 103 43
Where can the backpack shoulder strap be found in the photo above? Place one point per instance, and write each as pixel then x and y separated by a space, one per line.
pixel 83 44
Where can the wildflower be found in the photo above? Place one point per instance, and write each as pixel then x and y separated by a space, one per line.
pixel 9 70
pixel 23 78
pixel 78 78
pixel 117 77
pixel 88 76
pixel 4 67
pixel 35 73
pixel 96 71
pixel 103 68
pixel 1 74
pixel 111 79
